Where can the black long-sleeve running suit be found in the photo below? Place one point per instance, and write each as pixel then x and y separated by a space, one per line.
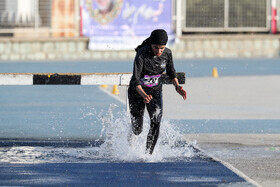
pixel 147 71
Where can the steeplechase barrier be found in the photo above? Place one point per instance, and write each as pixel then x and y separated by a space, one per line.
pixel 121 79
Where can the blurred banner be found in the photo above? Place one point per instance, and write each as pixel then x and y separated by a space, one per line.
pixel 63 18
pixel 123 24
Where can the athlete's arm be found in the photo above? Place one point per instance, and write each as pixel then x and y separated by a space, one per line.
pixel 147 98
pixel 179 89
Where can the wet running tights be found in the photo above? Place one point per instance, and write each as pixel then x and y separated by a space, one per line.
pixel 154 108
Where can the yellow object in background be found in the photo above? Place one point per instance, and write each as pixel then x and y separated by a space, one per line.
pixel 215 73
pixel 115 90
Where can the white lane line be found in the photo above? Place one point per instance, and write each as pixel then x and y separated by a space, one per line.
pixel 231 167
pixel 112 95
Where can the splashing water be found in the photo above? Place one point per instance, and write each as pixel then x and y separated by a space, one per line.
pixel 171 145
pixel 115 133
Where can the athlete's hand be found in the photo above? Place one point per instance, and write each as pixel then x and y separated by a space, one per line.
pixel 182 92
pixel 147 98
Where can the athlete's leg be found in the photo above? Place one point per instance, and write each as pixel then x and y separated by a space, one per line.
pixel 155 112
pixel 137 107
pixel 137 113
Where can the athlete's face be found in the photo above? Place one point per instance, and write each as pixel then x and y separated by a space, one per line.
pixel 158 49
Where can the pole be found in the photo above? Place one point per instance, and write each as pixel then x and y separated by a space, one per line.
pixel 178 18
pixel 226 15
pixel 81 19
pixel 273 17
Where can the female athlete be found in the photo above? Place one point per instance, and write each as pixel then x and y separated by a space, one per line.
pixel 145 88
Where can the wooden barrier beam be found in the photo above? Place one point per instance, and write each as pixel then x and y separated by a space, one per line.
pixel 121 79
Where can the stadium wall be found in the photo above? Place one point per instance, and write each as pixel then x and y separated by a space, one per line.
pixel 187 47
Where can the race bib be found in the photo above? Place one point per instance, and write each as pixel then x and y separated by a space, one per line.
pixel 150 80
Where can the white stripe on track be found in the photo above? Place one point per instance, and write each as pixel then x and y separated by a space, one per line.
pixel 231 167
pixel 112 95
